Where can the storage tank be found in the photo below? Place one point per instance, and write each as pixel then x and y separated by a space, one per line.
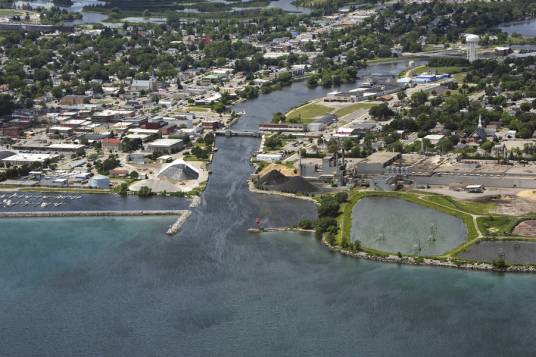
pixel 99 181
pixel 472 45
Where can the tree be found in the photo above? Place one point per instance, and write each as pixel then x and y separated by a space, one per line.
pixel 129 145
pixel 326 224
pixel 145 192
pixel 273 142
pixel 306 224
pixel 333 145
pixel 381 111
pixel 209 139
pixel 123 189
pixel 278 118
pixel 134 175
pixel 341 197
pixel 418 99
pixel 329 206
pixel 6 104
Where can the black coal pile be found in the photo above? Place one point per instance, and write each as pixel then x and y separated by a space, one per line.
pixel 272 178
pixel 276 181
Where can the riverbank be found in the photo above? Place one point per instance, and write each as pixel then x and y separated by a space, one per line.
pixel 447 263
pixel 253 189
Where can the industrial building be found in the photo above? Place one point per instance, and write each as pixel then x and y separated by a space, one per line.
pixel 166 146
pixel 376 163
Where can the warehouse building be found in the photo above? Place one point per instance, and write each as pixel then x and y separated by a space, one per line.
pixel 376 163
pixel 166 146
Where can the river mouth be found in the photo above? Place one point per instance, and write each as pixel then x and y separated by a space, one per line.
pixel 395 225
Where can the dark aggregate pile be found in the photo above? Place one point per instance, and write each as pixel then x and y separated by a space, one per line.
pixel 275 180
pixel 273 177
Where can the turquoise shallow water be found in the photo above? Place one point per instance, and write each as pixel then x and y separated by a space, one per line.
pixel 33 250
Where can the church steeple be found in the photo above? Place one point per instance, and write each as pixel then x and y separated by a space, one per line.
pixel 480 121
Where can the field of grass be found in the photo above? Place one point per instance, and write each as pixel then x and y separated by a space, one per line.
pixel 308 112
pixel 197 109
pixel 424 69
pixel 352 108
pixel 497 225
pixel 471 207
pixel 14 12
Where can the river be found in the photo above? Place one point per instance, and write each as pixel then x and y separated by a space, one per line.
pixel 103 287
pixel 525 28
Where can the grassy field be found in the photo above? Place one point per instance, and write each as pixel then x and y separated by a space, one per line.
pixel 308 112
pixel 471 207
pixel 197 109
pixel 13 12
pixel 352 108
pixel 424 69
pixel 497 225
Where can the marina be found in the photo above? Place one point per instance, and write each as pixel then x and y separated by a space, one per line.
pixel 12 200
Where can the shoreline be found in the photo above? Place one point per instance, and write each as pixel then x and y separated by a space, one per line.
pixel 394 259
pixel 253 189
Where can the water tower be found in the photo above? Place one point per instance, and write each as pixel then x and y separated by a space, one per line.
pixel 472 44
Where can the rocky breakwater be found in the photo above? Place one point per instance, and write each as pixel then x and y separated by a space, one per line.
pixel 175 227
pixel 91 213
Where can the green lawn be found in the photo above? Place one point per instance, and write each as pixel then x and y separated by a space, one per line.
pixel 497 225
pixel 13 12
pixel 308 112
pixel 472 207
pixel 197 109
pixel 423 69
pixel 352 108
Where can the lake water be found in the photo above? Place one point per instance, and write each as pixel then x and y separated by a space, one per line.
pixel 99 287
pixel 525 28
pixel 394 225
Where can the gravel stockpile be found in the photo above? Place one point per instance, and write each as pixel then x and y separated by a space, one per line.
pixel 296 184
pixel 272 178
pixel 275 180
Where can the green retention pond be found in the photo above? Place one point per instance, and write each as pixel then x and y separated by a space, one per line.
pixel 395 225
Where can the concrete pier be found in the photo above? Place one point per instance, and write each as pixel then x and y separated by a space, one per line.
pixel 92 213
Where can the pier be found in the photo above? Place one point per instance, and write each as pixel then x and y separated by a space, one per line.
pixel 93 213
pixel 175 227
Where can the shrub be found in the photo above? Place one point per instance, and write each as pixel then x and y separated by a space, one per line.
pixel 306 224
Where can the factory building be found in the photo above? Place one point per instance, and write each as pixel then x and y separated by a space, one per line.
pixel 166 146
pixel 376 163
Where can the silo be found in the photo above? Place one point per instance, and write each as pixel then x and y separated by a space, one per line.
pixel 99 181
